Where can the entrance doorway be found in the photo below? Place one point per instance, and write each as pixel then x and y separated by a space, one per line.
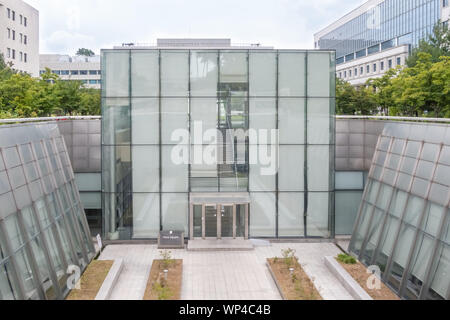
pixel 219 221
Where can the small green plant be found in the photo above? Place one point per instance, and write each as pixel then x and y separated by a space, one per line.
pixel 162 292
pixel 166 257
pixel 346 259
pixel 288 257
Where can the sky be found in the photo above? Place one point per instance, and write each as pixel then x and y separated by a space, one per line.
pixel 66 25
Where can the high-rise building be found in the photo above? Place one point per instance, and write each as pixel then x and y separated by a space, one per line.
pixel 80 68
pixel 19 35
pixel 379 35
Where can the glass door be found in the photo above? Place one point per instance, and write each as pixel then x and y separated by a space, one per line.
pixel 227 221
pixel 198 221
pixel 211 221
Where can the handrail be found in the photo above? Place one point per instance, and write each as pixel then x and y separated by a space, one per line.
pixel 25 120
pixel 416 119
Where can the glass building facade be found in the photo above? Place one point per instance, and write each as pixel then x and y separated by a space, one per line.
pixel 386 25
pixel 150 94
pixel 403 222
pixel 43 229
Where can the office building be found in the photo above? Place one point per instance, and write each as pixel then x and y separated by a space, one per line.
pixel 379 35
pixel 19 35
pixel 79 68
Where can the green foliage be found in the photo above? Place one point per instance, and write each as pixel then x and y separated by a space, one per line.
pixel 23 96
pixel 421 89
pixel 289 257
pixel 85 52
pixel 166 257
pixel 162 291
pixel 346 259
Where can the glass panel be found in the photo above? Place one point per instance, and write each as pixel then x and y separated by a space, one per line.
pixel 25 273
pixel 240 220
pixel 175 212
pixel 263 73
pixel 319 121
pixel 262 115
pixel 291 74
pixel 290 214
pixel 145 73
pixel 116 79
pixel 263 167
pixel 440 282
pixel 387 242
pixel 233 67
pixel 204 74
pixel 262 215
pixel 211 222
pixel 145 168
pixel 291 115
pixel 91 200
pixel 145 119
pixel 318 213
pixel 319 73
pixel 373 235
pixel 347 206
pixel 291 171
pixel 319 168
pixel 174 73
pixel 145 215
pixel 116 121
pixel 88 181
pixel 349 180
pixel 175 176
pixel 8 287
pixel 204 116
pixel 198 221
pixel 174 116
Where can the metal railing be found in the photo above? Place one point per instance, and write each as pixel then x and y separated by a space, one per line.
pixel 414 119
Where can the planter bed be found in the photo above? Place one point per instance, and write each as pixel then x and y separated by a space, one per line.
pixel 360 273
pixel 158 288
pixel 297 286
pixel 91 280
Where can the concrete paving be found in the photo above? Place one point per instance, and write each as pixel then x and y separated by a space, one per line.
pixel 224 275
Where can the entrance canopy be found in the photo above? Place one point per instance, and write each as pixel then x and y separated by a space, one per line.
pixel 222 198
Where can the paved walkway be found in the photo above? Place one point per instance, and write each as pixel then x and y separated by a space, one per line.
pixel 224 275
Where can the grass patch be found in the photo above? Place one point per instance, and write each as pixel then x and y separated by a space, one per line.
pixel 91 280
pixel 346 259
pixel 158 288
pixel 291 278
pixel 360 273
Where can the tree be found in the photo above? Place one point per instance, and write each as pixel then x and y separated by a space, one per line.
pixel 85 52
pixel 354 101
pixel 436 44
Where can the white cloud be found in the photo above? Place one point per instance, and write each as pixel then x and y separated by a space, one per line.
pixel 67 25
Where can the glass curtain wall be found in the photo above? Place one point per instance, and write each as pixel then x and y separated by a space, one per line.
pixel 390 22
pixel 403 222
pixel 151 98
pixel 43 228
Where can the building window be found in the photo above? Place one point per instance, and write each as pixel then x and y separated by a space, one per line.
pixel 92 81
pixel 13 15
pixel 21 56
pixel 9 13
pixel 65 72
pixel 25 57
pixel 25 21
pixel 21 38
pixel 356 72
pixel 350 73
pixel 345 74
pixel 368 69
pixel 92 72
pixel 21 19
pixel 382 65
pixel 25 39
pixel 8 52
pixel 14 54
pixel 362 70
pixel 14 35
pixel 399 61
pixel 83 72
pixel 390 64
pixel 74 72
pixel 445 3
pixel 374 67
pixel 9 33
pixel 340 75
